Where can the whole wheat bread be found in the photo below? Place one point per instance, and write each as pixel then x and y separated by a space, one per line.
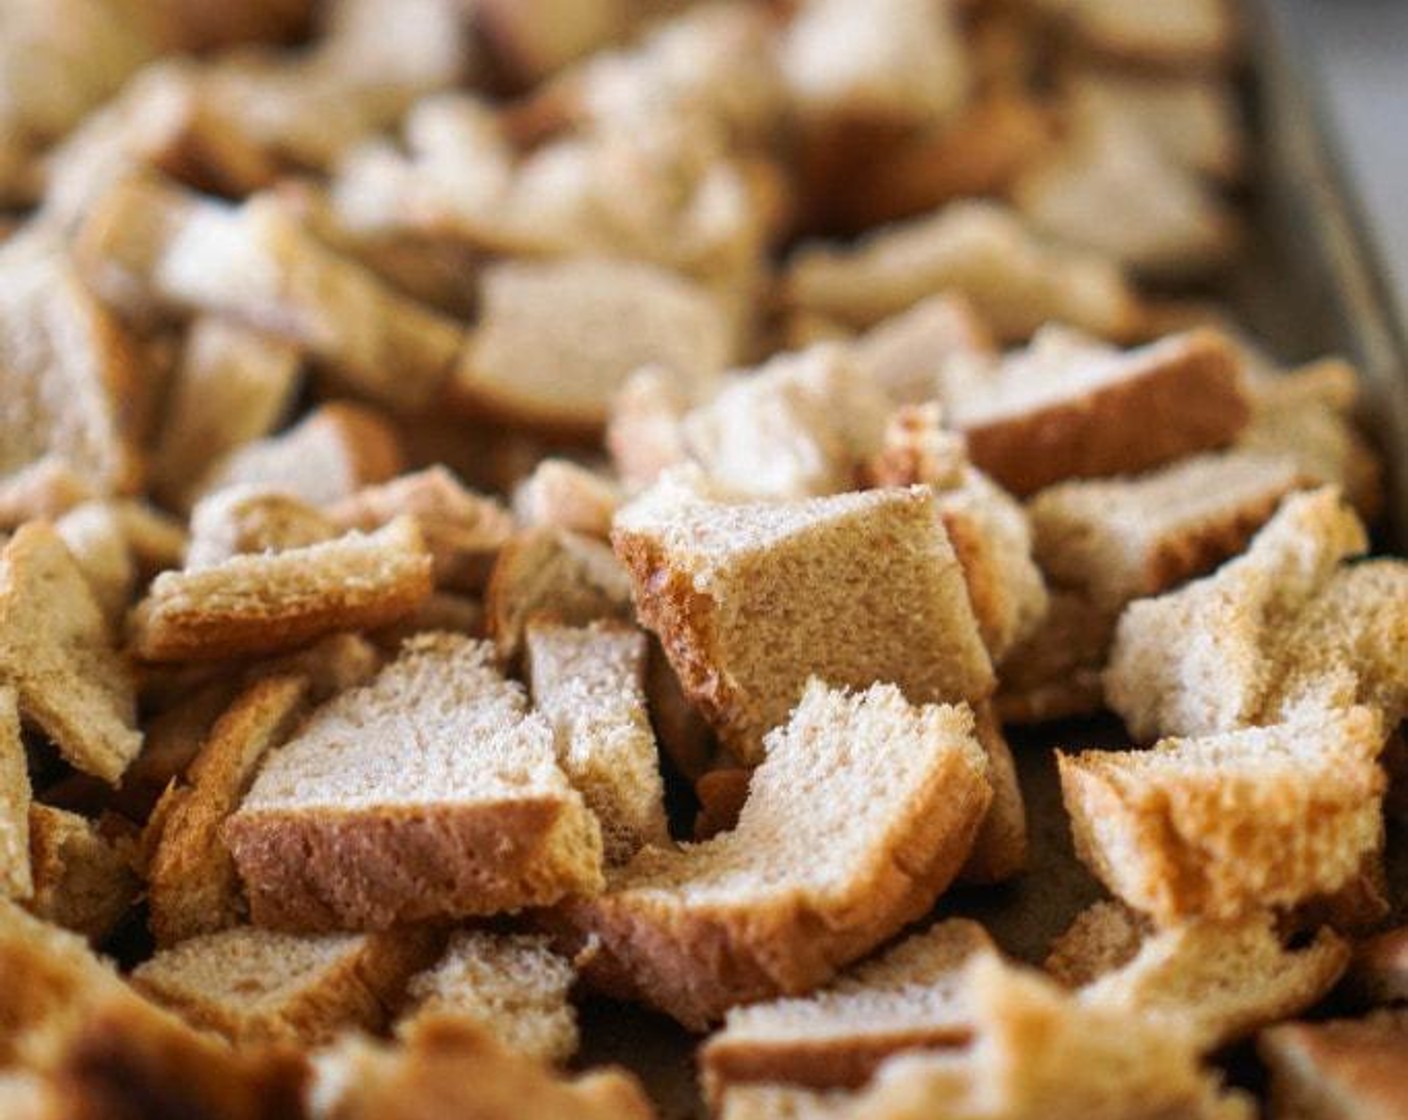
pixel 430 792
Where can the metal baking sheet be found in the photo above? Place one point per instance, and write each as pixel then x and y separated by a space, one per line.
pixel 1308 285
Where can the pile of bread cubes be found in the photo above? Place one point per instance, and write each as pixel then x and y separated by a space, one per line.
pixel 511 505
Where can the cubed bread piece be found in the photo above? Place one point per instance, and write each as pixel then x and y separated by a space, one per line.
pixel 271 603
pixel 561 494
pixel 750 600
pixel 453 1068
pixel 1195 120
pixel 83 879
pixel 904 353
pixel 175 736
pixel 917 449
pixel 192 887
pixel 240 520
pixel 798 426
pixel 56 650
pixel 97 540
pixel 565 576
pixel 463 530
pixel 1220 981
pixel 910 998
pixel 1340 1069
pixel 549 352
pixel 327 456
pixel 1308 415
pixel 1039 1054
pixel 71 373
pixel 231 386
pixel 147 246
pixel 979 249
pixel 1066 409
pixel 128 1057
pixel 1112 190
pixel 1223 826
pixel 307 107
pixel 1285 624
pixel 511 985
pixel 254 985
pixel 590 684
pixel 900 63
pixel 992 538
pixel 105 1051
pixel 16 881
pixel 664 188
pixel 430 792
pixel 644 429
pixel 894 793
pixel 163 121
pixel 1121 539
pixel 52 979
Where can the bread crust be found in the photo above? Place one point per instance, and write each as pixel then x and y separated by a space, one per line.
pixel 324 870
pixel 192 887
pixel 1186 402
pixel 183 619
pixel 694 961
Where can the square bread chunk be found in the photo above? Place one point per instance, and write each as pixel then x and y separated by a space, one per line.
pixel 430 792
pixel 1221 981
pixel 150 247
pixel 1285 624
pixel 1068 408
pixel 893 794
pixel 512 985
pixel 550 351
pixel 751 600
pixel 980 250
pixel 272 602
pixel 1128 538
pixel 589 681
pixel 57 653
pixel 1223 826
pixel 909 998
pixel 254 985
pixel 1038 1054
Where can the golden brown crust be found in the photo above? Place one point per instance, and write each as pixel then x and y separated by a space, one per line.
pixel 197 615
pixel 1192 401
pixel 694 961
pixel 192 887
pixel 323 870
